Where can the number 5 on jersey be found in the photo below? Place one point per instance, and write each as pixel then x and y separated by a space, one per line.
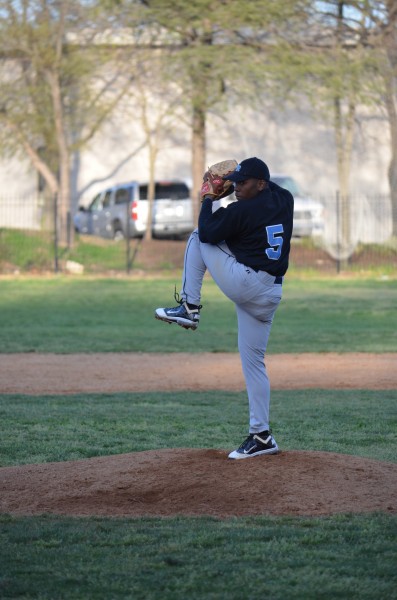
pixel 275 241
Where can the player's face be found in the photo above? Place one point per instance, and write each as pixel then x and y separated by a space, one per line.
pixel 249 188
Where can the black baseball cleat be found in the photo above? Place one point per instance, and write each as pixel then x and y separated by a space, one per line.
pixel 256 444
pixel 183 315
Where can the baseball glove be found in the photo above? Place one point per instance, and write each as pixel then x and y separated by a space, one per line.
pixel 214 185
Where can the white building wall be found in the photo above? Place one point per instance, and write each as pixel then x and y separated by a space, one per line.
pixel 18 179
pixel 291 142
pixel 19 202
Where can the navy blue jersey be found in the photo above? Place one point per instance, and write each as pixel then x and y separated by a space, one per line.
pixel 258 231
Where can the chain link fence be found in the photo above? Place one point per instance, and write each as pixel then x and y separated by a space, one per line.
pixel 348 234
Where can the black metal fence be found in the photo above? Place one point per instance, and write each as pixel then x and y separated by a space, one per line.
pixel 332 234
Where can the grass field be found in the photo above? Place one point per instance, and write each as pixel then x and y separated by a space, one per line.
pixel 345 557
pixel 116 315
pixel 56 428
pixel 47 557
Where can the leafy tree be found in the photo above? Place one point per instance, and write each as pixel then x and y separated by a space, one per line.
pixel 378 32
pixel 56 89
pixel 365 64
pixel 328 64
pixel 215 48
pixel 158 108
pixel 343 71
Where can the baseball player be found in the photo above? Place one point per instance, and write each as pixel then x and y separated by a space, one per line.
pixel 245 247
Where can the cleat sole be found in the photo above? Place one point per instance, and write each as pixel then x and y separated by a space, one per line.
pixel 193 327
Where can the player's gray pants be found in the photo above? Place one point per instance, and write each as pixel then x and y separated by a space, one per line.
pixel 256 298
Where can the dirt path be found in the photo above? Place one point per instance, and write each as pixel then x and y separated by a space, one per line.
pixel 88 373
pixel 196 481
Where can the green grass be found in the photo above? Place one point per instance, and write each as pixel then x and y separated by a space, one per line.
pixel 347 557
pixel 31 251
pixel 21 250
pixel 57 428
pixel 67 315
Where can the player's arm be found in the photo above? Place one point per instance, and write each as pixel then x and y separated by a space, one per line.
pixel 218 226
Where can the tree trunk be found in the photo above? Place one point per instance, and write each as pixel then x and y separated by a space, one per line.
pixel 151 191
pixel 64 203
pixel 344 124
pixel 198 157
pixel 392 172
pixel 391 104
pixel 344 129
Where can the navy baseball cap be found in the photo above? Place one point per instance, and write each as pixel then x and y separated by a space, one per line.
pixel 250 168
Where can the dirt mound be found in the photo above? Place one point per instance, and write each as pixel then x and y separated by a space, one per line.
pixel 201 482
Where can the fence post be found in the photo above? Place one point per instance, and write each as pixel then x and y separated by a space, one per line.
pixel 56 264
pixel 128 238
pixel 69 229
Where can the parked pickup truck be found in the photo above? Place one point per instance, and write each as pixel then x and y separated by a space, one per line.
pixel 122 210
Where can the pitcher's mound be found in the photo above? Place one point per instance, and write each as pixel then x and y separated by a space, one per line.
pixel 201 482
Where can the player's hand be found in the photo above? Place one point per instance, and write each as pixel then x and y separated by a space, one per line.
pixel 214 185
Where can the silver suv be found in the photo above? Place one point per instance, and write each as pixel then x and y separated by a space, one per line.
pixel 122 210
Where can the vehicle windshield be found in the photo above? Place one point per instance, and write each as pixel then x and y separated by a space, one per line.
pixel 96 204
pixel 171 191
